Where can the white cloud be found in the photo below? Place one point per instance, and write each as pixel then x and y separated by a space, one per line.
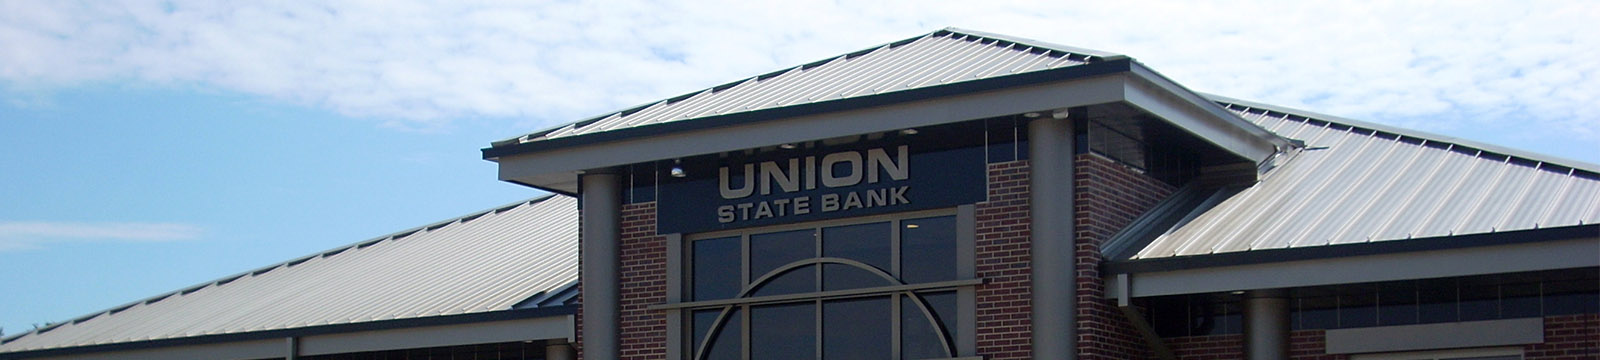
pixel 18 235
pixel 1437 66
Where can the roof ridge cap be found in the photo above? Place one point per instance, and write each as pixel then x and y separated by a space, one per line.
pixel 1104 55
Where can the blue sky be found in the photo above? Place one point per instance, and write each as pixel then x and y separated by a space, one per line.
pixel 150 145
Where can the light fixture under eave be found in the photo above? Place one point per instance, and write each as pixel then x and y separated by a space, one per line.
pixel 787 146
pixel 912 226
pixel 677 169
pixel 1059 113
pixel 1030 115
pixel 908 132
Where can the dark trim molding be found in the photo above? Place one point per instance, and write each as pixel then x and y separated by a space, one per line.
pixel 516 314
pixel 861 102
pixel 1348 250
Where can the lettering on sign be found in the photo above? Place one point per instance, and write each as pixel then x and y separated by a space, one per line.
pixel 841 182
pixel 837 170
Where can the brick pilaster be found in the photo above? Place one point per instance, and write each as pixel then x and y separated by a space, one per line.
pixel 1109 196
pixel 643 256
pixel 1004 305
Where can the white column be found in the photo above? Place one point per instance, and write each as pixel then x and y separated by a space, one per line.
pixel 601 201
pixel 1050 148
pixel 1266 325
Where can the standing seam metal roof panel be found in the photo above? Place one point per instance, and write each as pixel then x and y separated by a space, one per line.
pixel 516 256
pixel 942 57
pixel 1357 182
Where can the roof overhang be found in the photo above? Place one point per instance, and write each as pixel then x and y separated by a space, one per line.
pixel 553 164
pixel 1448 256
pixel 533 324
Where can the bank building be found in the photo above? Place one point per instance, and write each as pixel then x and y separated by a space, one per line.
pixel 954 195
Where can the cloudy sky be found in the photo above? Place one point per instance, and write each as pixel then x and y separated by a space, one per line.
pixel 150 145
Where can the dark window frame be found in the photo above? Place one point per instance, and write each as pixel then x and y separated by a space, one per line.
pixel 959 337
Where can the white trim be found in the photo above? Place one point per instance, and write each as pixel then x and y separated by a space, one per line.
pixel 254 349
pixel 556 168
pixel 554 327
pixel 1453 335
pixel 1538 256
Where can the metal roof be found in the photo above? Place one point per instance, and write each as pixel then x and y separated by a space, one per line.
pixel 942 57
pixel 1354 182
pixel 518 256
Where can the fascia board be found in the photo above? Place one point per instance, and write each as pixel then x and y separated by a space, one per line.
pixel 249 344
pixel 554 327
pixel 557 169
pixel 1522 257
pixel 255 349
pixel 1201 117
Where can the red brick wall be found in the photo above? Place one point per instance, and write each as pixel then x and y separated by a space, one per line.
pixel 643 283
pixel 1109 196
pixel 1568 337
pixel 1213 347
pixel 1309 345
pixel 1002 259
pixel 1303 345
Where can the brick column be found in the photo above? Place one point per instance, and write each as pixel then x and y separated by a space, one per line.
pixel 1004 303
pixel 643 276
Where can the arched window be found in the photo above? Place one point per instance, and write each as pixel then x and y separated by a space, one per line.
pixel 876 288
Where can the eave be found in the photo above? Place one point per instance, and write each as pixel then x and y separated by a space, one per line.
pixel 553 164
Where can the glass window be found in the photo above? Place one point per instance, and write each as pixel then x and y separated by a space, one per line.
pixel 1317 313
pixel 769 252
pixel 1519 300
pixel 1479 302
pixel 1397 303
pixel 857 329
pixel 1358 308
pixel 867 243
pixel 1571 297
pixel 1430 301
pixel 784 331
pixel 796 308
pixel 919 338
pixel 725 345
pixel 928 249
pixel 717 260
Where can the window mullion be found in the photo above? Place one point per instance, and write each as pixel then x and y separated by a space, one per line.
pixel 894 323
pixel 832 294
pixel 744 263
pixel 744 331
pixel 894 249
pixel 816 244
pixel 816 334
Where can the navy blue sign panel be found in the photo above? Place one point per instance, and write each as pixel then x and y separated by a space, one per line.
pixel 787 186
